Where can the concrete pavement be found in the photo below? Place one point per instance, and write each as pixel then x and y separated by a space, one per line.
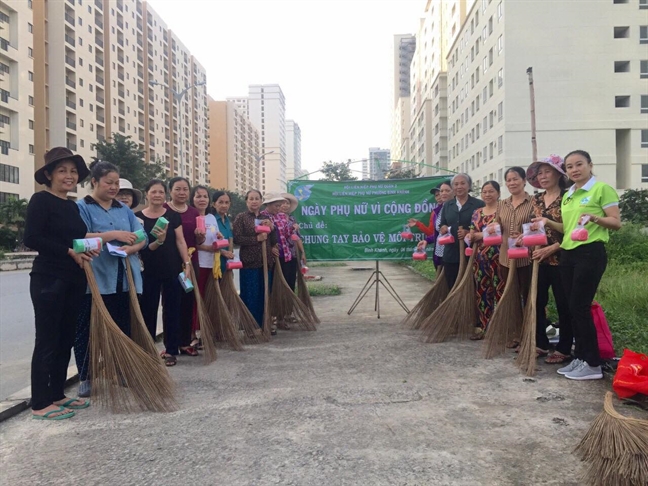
pixel 359 402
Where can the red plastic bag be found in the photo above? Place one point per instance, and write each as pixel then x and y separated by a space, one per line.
pixel 606 348
pixel 632 375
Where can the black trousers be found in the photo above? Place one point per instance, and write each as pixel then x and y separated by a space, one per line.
pixel 582 270
pixel 171 291
pixel 549 276
pixel 289 270
pixel 57 304
pixel 451 272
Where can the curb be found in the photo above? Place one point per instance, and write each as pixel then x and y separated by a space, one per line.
pixel 21 400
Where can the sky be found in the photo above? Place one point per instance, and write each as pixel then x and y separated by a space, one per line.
pixel 333 60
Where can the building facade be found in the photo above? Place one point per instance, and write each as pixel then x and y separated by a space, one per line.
pixel 404 48
pixel 233 142
pixel 16 100
pixel 377 165
pixel 293 150
pixel 591 96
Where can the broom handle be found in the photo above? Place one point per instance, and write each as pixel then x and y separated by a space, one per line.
pixel 534 143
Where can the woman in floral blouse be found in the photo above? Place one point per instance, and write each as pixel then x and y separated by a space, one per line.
pixel 549 174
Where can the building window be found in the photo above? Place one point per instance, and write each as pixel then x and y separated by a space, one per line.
pixel 485 64
pixel 621 32
pixel 9 173
pixel 643 4
pixel 643 69
pixel 621 66
pixel 500 10
pixel 30 75
pixel 643 34
pixel 500 144
pixel 4 147
pixel 31 124
pixel 30 52
pixel 644 103
pixel 31 149
pixel 31 101
pixel 644 173
pixel 500 111
pixel 621 101
pixel 644 138
pixel 30 28
pixel 500 44
pixel 500 78
pixel 620 1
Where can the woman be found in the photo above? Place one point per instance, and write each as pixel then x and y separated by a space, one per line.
pixel 486 267
pixel 431 231
pixel 251 275
pixel 162 263
pixel 456 218
pixel 284 230
pixel 128 195
pixel 180 191
pixel 57 281
pixel 288 207
pixel 445 194
pixel 548 174
pixel 114 223
pixel 221 203
pixel 596 205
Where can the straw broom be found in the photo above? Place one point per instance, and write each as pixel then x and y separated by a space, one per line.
pixel 207 327
pixel 139 331
pixel 284 303
pixel 503 326
pixel 302 290
pixel 457 315
pixel 615 449
pixel 428 304
pixel 225 331
pixel 267 318
pixel 125 378
pixel 527 356
pixel 239 311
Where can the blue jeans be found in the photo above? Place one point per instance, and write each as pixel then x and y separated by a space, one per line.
pixel 252 291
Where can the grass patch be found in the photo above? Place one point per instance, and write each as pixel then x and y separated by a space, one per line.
pixel 424 268
pixel 320 289
pixel 326 264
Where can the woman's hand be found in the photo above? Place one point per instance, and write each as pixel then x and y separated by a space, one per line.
pixel 129 250
pixel 227 254
pixel 219 235
pixel 125 237
pixel 443 230
pixel 262 236
pixel 81 258
pixel 490 229
pixel 304 261
pixel 544 252
pixel 187 270
pixel 421 245
pixel 159 233
pixel 200 236
pixel 518 238
pixel 296 227
pixel 535 223
pixel 461 233
pixel 412 222
pixel 477 236
pixel 275 251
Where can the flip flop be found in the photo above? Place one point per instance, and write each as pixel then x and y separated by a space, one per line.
pixel 58 417
pixel 68 404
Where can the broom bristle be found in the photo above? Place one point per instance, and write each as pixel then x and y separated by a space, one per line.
pixel 428 304
pixel 267 318
pixel 505 321
pixel 466 314
pixel 207 327
pixel 285 304
pixel 615 448
pixel 241 315
pixel 225 331
pixel 139 331
pixel 125 378
pixel 302 290
pixel 527 357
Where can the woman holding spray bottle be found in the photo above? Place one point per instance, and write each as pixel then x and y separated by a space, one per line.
pixel 162 263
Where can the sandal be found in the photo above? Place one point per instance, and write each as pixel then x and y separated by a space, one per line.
pixel 197 344
pixel 513 344
pixel 478 335
pixel 558 358
pixel 69 404
pixel 189 351
pixel 541 353
pixel 48 415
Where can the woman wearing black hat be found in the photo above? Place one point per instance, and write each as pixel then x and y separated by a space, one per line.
pixel 57 281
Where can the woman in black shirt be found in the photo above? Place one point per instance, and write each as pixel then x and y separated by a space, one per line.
pixel 57 281
pixel 162 264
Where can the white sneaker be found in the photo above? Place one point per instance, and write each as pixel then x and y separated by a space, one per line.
pixel 585 372
pixel 570 367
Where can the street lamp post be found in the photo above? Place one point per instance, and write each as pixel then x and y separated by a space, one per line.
pixel 259 158
pixel 178 97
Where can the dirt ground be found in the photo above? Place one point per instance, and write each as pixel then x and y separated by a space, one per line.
pixel 361 401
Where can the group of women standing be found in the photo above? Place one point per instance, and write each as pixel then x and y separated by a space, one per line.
pixel 571 267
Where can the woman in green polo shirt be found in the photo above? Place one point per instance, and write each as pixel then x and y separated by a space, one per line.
pixel 583 262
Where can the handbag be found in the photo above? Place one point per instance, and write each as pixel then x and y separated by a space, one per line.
pixel 603 335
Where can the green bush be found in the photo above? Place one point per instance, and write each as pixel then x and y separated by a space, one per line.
pixel 8 238
pixel 628 245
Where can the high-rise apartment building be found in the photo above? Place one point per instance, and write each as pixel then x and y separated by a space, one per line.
pixel 404 48
pixel 377 165
pixel 16 100
pixel 234 142
pixel 591 88
pixel 293 150
pixel 267 111
pixel 101 68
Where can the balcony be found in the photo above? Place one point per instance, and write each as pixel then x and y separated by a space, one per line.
pixel 70 61
pixel 69 40
pixel 140 58
pixel 69 19
pixel 120 75
pixel 100 118
pixel 121 92
pixel 72 146
pixel 141 106
pixel 120 58
pixel 120 23
pixel 70 125
pixel 141 137
pixel 99 80
pixel 99 60
pixel 70 104
pixel 99 23
pixel 120 41
pixel 99 4
pixel 99 42
pixel 121 111
pixel 70 82
pixel 140 90
pixel 100 99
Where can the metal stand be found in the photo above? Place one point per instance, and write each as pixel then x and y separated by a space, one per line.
pixel 378 278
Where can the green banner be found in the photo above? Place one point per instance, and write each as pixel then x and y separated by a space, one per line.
pixel 362 220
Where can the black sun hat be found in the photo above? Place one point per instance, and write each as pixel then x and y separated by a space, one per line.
pixel 56 155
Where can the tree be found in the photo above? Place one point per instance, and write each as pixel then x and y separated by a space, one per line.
pixel 402 173
pixel 634 206
pixel 337 172
pixel 127 156
pixel 12 215
pixel 238 202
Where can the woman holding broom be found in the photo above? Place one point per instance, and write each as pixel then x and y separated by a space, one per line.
pixel 114 223
pixel 284 230
pixel 593 206
pixel 162 263
pixel 549 174
pixel 57 281
pixel 180 190
pixel 445 194
pixel 251 275
pixel 456 219
pixel 486 268
pixel 221 203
